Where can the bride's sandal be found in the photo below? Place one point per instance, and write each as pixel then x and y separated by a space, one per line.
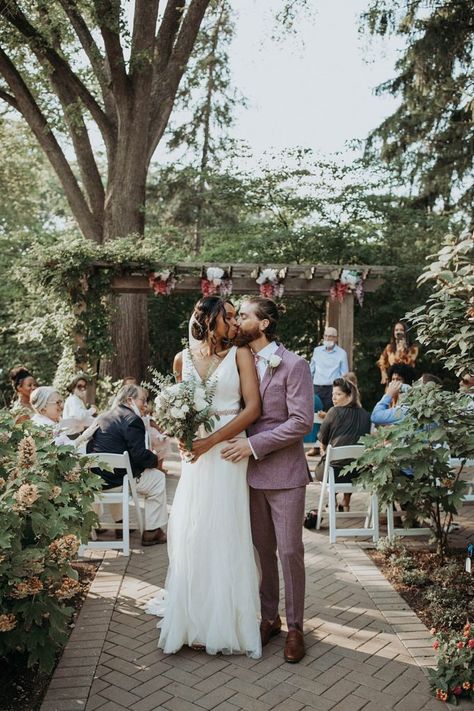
pixel 198 647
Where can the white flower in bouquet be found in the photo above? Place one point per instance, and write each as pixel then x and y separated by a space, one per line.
pixel 182 408
pixel 199 401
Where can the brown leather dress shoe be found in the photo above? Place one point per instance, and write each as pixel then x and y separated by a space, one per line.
pixel 294 647
pixel 151 538
pixel 269 629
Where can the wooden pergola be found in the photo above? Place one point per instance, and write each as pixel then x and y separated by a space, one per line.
pixel 297 280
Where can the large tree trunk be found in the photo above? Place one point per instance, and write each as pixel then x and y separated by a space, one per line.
pixel 124 215
pixel 130 336
pixel 131 112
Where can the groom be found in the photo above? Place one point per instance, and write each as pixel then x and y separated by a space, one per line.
pixel 278 471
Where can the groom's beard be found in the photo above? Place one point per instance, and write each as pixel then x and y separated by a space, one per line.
pixel 243 338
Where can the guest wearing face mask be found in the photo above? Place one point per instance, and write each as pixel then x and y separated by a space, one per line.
pixel 122 429
pixel 75 407
pixel 328 363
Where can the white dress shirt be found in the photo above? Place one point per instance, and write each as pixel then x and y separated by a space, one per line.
pixel 263 357
pixel 327 365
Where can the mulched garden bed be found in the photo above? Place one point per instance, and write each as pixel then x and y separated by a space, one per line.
pixel 441 595
pixel 23 689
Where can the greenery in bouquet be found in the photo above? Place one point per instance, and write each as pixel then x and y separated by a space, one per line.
pixel 453 678
pixel 46 496
pixel 182 408
pixel 438 426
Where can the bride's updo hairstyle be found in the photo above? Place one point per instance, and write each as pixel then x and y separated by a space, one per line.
pixel 206 313
pixel 269 310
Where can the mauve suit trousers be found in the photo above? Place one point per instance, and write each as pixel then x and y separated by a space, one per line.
pixel 277 519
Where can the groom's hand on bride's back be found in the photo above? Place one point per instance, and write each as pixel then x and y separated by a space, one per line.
pixel 236 449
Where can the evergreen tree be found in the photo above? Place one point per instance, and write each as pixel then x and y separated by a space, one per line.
pixel 429 139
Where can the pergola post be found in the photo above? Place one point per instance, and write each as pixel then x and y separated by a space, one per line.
pixel 341 316
pixel 346 326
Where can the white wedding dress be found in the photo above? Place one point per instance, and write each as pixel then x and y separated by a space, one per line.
pixel 211 594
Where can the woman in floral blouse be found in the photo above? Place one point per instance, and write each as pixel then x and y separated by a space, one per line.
pixel 399 350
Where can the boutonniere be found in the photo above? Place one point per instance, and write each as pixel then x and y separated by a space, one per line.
pixel 274 361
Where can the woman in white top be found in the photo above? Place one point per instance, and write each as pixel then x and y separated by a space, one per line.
pixel 75 407
pixel 47 404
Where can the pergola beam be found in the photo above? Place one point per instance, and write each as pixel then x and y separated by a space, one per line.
pixel 299 279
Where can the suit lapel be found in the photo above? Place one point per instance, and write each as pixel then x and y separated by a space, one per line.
pixel 269 372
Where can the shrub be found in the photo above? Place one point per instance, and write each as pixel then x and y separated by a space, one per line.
pixel 402 561
pixel 453 678
pixel 448 606
pixel 46 495
pixel 390 546
pixel 437 425
pixel 415 577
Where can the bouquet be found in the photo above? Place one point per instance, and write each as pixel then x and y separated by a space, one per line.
pixel 181 408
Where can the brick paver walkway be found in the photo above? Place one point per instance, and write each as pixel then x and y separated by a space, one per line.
pixel 365 648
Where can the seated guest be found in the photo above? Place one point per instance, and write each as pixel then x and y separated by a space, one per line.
pixel 344 424
pixel 47 406
pixel 466 385
pixel 386 412
pixel 122 429
pixel 75 407
pixel 23 384
pixel 312 437
pixel 400 373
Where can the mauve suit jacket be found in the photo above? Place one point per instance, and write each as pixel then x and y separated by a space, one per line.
pixel 287 415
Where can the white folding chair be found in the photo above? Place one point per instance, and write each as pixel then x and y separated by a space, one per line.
pixel 466 464
pixel 400 531
pixel 125 497
pixel 332 488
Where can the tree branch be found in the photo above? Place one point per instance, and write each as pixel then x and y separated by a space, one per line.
pixel 37 122
pixel 108 19
pixel 92 51
pixel 143 35
pixel 168 82
pixel 9 99
pixel 167 33
pixel 84 154
pixel 43 51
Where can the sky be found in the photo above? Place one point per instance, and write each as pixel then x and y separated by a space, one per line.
pixel 316 88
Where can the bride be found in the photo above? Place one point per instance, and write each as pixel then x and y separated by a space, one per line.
pixel 211 599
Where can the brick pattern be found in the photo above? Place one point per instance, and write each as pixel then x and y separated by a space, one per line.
pixel 366 649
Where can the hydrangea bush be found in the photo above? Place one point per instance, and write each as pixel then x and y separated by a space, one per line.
pixel 46 496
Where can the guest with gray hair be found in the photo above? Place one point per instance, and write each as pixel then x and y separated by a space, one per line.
pixel 328 363
pixel 47 406
pixel 120 430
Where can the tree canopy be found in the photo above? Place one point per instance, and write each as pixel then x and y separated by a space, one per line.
pixel 429 139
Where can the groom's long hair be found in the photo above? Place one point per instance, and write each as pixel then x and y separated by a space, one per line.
pixel 267 309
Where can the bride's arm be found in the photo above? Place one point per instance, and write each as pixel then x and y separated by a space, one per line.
pixel 178 366
pixel 250 412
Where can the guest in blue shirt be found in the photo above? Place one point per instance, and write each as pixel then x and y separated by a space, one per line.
pixel 384 413
pixel 328 363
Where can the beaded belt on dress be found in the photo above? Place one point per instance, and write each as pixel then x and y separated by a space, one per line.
pixel 227 412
